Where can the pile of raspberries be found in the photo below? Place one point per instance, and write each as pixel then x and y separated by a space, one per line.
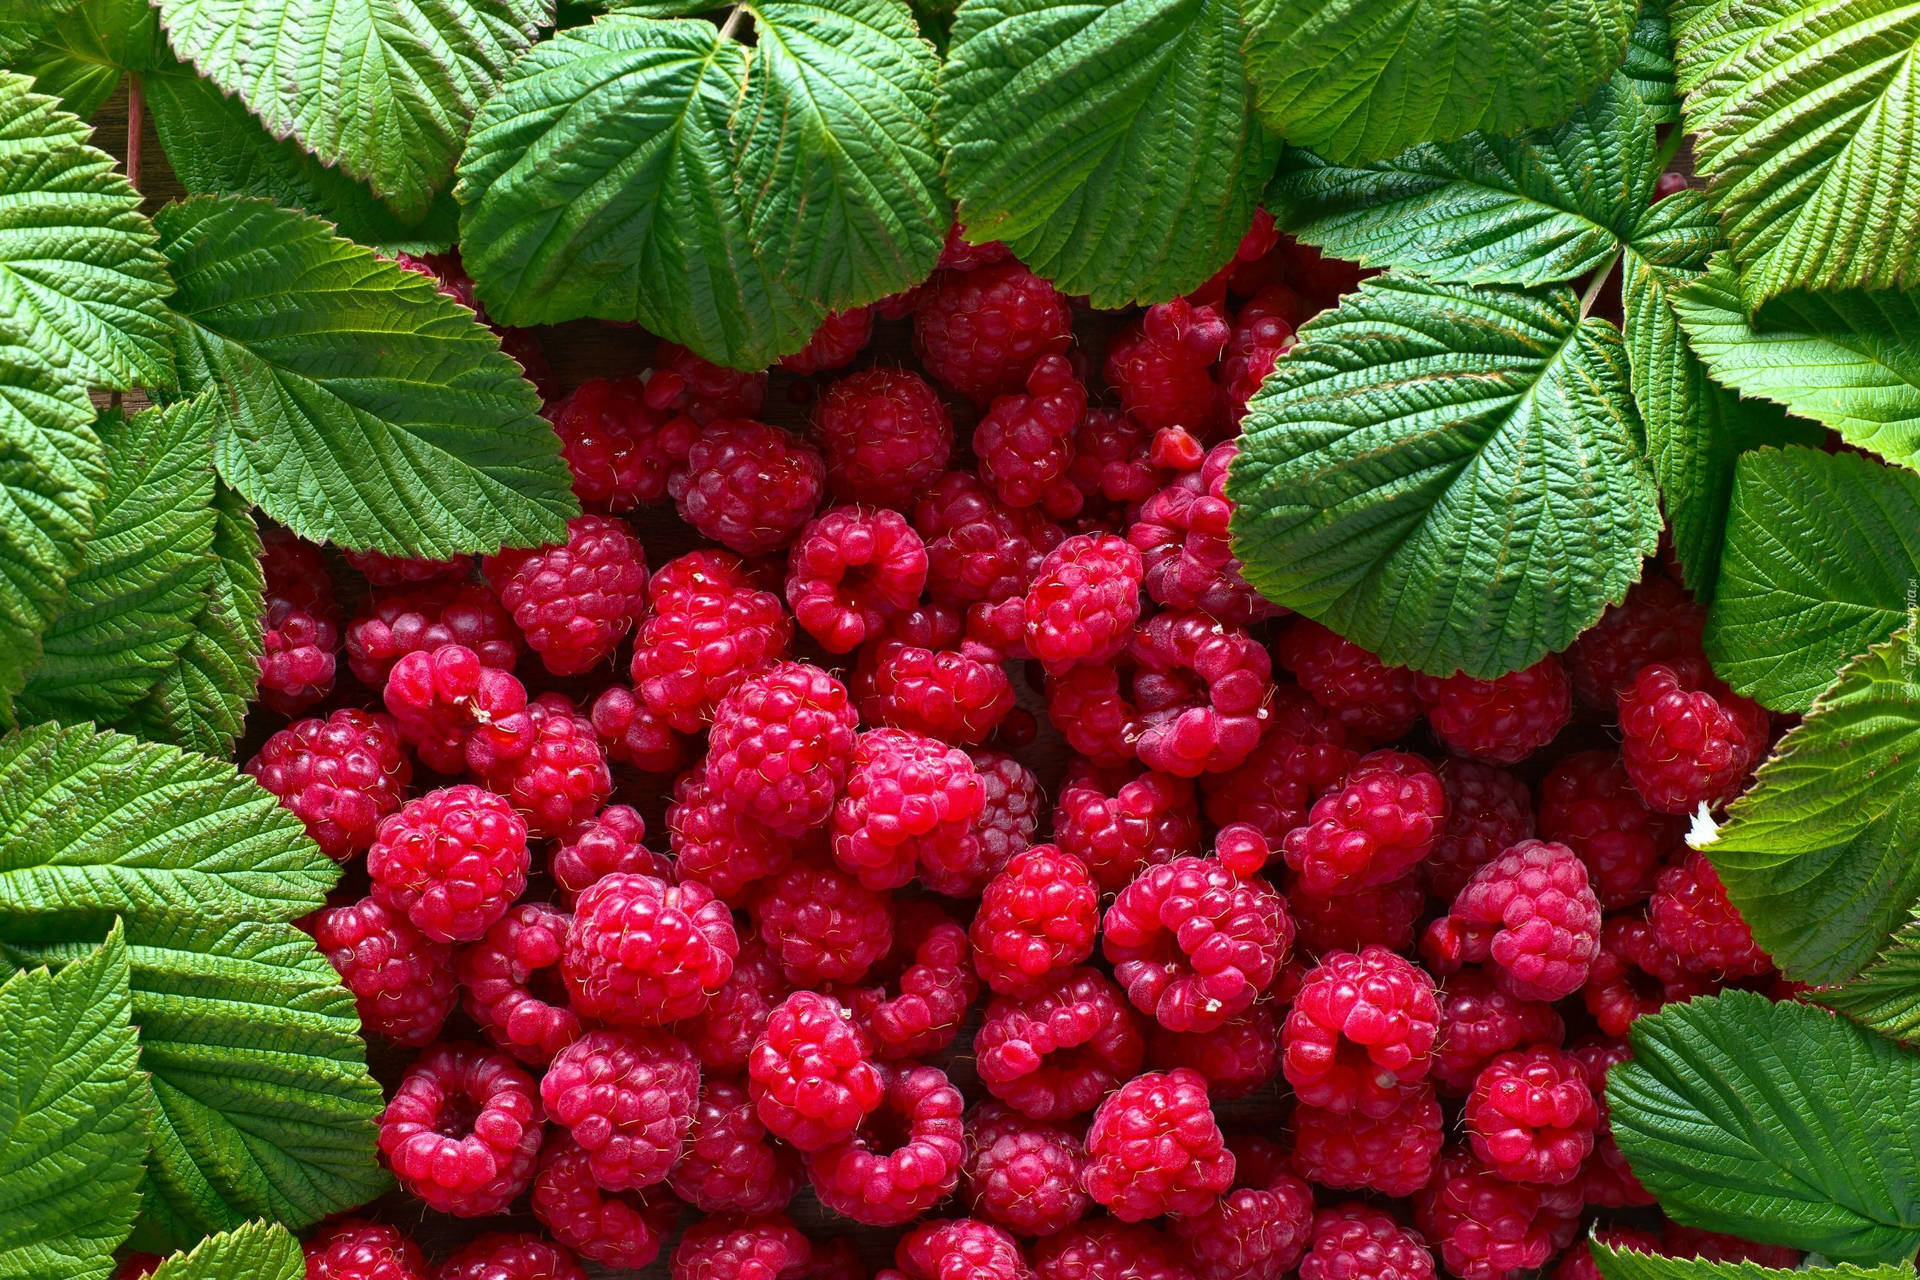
pixel 1302 964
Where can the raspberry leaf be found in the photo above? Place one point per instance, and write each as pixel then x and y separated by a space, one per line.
pixel 1649 64
pixel 82 58
pixel 1778 1123
pixel 1114 147
pixel 1447 475
pixel 22 26
pixel 1886 995
pixel 1629 1264
pixel 256 1251
pixel 357 404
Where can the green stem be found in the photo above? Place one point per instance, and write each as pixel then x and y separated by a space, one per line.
pixel 1594 286
pixel 733 20
pixel 1670 148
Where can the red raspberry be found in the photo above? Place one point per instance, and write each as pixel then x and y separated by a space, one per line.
pixel 631 733
pixel 403 622
pixel 983 554
pixel 401 980
pixel 1374 701
pixel 1193 945
pixel 1384 817
pixel 713 844
pixel 1533 913
pixel 810 1073
pixel 978 332
pixel 619 447
pixel 821 925
pixel 1361 1026
pixel 1084 601
pixel 748 486
pixel 943 693
pixel 562 779
pixel 1488 811
pixel 1121 821
pixel 455 711
pixel 1696 924
pixel 1154 1147
pixel 1036 918
pixel 1531 1116
pixel 340 776
pixel 453 860
pixel 1657 623
pixel 1053 1055
pixel 574 601
pixel 449 276
pixel 1577 1262
pixel 1182 539
pixel 904 1158
pixel 723 1036
pixel 1239 1057
pixel 627 1099
pixel 1588 804
pixel 1479 1020
pixel 1694 1242
pixel 1024 443
pixel 1113 465
pixel 1393 1154
pixel 1023 1174
pixel 1257 1230
pixel 383 570
pixel 1386 914
pixel 1263 331
pixel 1093 715
pixel 462 1130
pixel 510 983
pixel 350 1249
pixel 886 434
pixel 301 625
pixel 1607 1180
pixel 1487 1228
pixel 730 1164
pixel 1357 1242
pixel 781 746
pixel 1303 751
pixel 1010 817
pixel 841 336
pixel 735 1248
pixel 917 1012
pixel 1635 975
pixel 643 952
pixel 608 842
pixel 1104 1249
pixel 1688 739
pixel 683 382
pixel 958 1249
pixel 501 1255
pixel 1162 366
pixel 1202 689
pixel 1503 720
pixel 710 628
pixel 620 1228
pixel 910 801
pixel 850 569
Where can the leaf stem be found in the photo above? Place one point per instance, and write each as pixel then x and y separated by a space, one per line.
pixel 136 126
pixel 1592 295
pixel 1669 149
pixel 733 20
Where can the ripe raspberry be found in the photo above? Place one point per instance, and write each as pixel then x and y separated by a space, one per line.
pixel 684 383
pixel 619 1228
pixel 886 434
pixel 1588 804
pixel 1361 1026
pixel 627 1099
pixel 631 733
pixel 1531 1116
pixel 1104 1249
pixel 1577 1262
pixel 1696 924
pixel 1113 465
pixel 1097 720
pixel 983 555
pixel 1182 539
pixel 607 843
pixel 1533 913
pixel 910 803
pixel 644 953
pixel 748 486
pixel 1121 821
pixel 1303 751
pixel 349 1249
pixel 1263 331
pixel 942 693
pixel 1607 1179
pixel 1154 1147
pixel 1376 826
pixel 723 1036
pixel 1084 601
pixel 1353 1241
pixel 978 332
pixel 619 447
pixel 1479 1020
pixel 1503 720
pixel 1393 1154
pixel 713 844
pixel 1657 623
pixel 1024 443
pixel 917 1011
pixel 1634 975
pixel 903 1159
pixel 1202 689
pixel 501 1255
pixel 1386 914
pixel 453 860
pixel 821 925
pixel 455 711
pixel 1693 1242
pixel 710 628
pixel 562 779
pixel 1023 1174
pixel 958 1249
pixel 1488 812
pixel 301 625
pixel 1037 917
pixel 1053 1055
pixel 403 622
pixel 1688 739
pixel 730 1164
pixel 340 776
pixel 1193 945
pixel 510 983
pixel 810 1073
pixel 841 336
pixel 734 1248
pixel 781 746
pixel 383 570
pixel 1238 1058
pixel 851 568
pixel 1257 1230
pixel 574 601
pixel 1010 817
pixel 1487 1228
pixel 401 980
pixel 1375 702
pixel 462 1130
pixel 1162 366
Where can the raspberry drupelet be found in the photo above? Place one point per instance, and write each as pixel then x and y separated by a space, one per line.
pixel 781 745
pixel 1353 1241
pixel 905 1156
pixel 617 445
pixel 840 337
pixel 1486 1228
pixel 1360 1028
pixel 1202 688
pixel 1182 534
pixel 1488 811
pixel 1657 623
pixel 811 1073
pixel 1375 702
pixel 453 860
pixel 729 1163
pixel 301 624
pixel 1383 817
pixel 1238 1058
pixel 402 981
pixel 1193 945
pixel 456 712
pixel 618 1228
pixel 1588 803
pixel 1024 442
pixel 735 1248
pixel 510 983
pixel 1699 927
pixel 627 1098
pixel 1053 1055
pixel 462 1130
pixel 1154 1147
pixel 1023 1174
pixel 504 1255
pixel 1393 1154
pixel 340 776
pixel 909 804
pixel 886 434
pixel 643 952
pixel 562 778
pixel 978 332
pixel 1036 918
pixel 1479 1020
pixel 1302 752
pixel 1531 1116
pixel 714 844
pixel 917 1011
pixel 1107 1249
pixel 850 569
pixel 1121 820
pixel 821 925
pixel 1259 1228
pixel 710 628
pixel 1503 720
pixel 403 622
pixel 723 1036
pixel 958 1249
pixel 1687 740
pixel 350 1249
pixel 1162 366
pixel 575 601
pixel 1083 602
pixel 1532 912
pixel 748 486
pixel 606 843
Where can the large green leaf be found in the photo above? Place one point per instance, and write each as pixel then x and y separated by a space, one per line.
pixel 1366 79
pixel 1649 64
pixel 101 823
pixel 1113 145
pixel 1447 475
pixel 72 1118
pixel 256 1251
pixel 1886 995
pixel 83 58
pixel 1630 1264
pixel 1775 1122
pixel 382 88
pixel 357 404
pixel 23 25
pixel 1803 115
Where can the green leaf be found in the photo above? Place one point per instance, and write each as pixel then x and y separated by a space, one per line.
pixel 382 88
pixel 101 823
pixel 1886 995
pixel 23 25
pixel 256 1251
pixel 1114 146
pixel 1775 1122
pixel 1649 64
pixel 1822 553
pixel 1629 1264
pixel 357 404
pixel 1366 79
pixel 1802 114
pixel 84 57
pixel 147 567
pixel 1447 475
pixel 72 1118
pixel 1544 207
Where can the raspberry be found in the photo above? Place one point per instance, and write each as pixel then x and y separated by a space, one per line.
pixel 510 983
pixel 821 925
pixel 810 1074
pixel 1024 443
pixel 1607 1179
pixel 1488 812
pixel 1093 715
pixel 903 1159
pixel 455 711
pixel 1113 464
pixel 683 382
pixel 403 622
pixel 1657 623
pixel 1479 1020
pixel 619 1228
pixel 627 1099
pixel 1361 1026
pixel 716 846
pixel 1532 911
pixel 710 628
pixel 1259 241
pixel 849 569
pixel 401 980
pixel 1182 539
pixel 643 952
pixel 1393 1154
pixel 981 553
pixel 1053 1055
pixel 730 1165
pixel 1696 924
pixel 1239 1057
pixel 1375 702
pixel 1084 601
pixel 836 1259
pixel 353 1249
pixel 886 434
pixel 978 332
pixel 1688 739
pixel 1202 689
pixel 1193 945
pixel 723 1036
pixel 501 1255
pixel 1357 1242
pixel 340 776
pixel 840 337
pixel 1154 1147
pixel 918 1011
pixel 1263 331
pixel 733 1248
pixel 562 779
pixel 574 601
pixel 1010 816
pixel 1162 366
pixel 1257 1230
pixel 958 1249
pixel 748 486
pixel 1634 975
pixel 1577 1262
pixel 942 693
pixel 1036 918
pixel 1693 1242
pixel 1302 752
pixel 1503 720
pixel 631 733
pixel 909 801
pixel 1588 804
pixel 1487 1228
pixel 781 745
pixel 1531 1116
pixel 383 570
pixel 618 447
pixel 462 1130
pixel 607 843
pixel 453 860
pixel 1103 1249
pixel 1023 1174
pixel 1384 817
pixel 301 625
pixel 1386 914
pixel 1124 820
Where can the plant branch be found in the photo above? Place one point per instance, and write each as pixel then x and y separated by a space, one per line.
pixel 1670 148
pixel 1594 286
pixel 733 21
pixel 136 125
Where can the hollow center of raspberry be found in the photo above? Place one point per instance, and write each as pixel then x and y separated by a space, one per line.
pixel 457 1114
pixel 544 984
pixel 886 1130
